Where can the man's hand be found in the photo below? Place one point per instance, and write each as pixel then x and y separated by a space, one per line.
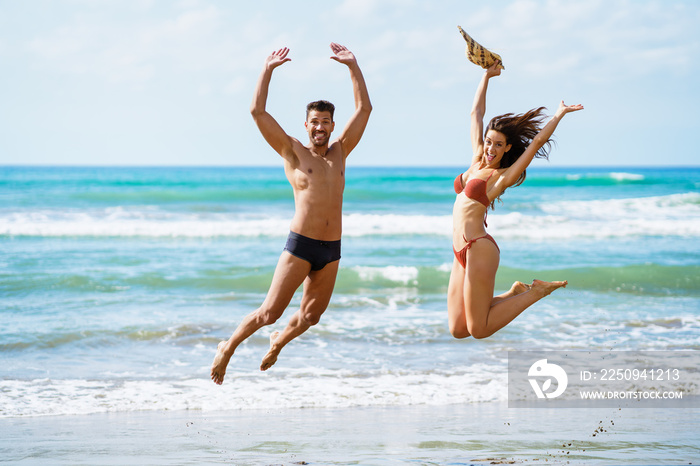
pixel 358 121
pixel 277 58
pixel 342 54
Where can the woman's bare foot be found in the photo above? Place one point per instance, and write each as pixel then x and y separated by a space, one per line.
pixel 545 288
pixel 515 290
pixel 518 288
pixel 271 357
pixel 218 367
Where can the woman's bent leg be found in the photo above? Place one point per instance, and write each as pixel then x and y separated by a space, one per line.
pixel 517 288
pixel 456 316
pixel 480 277
pixel 502 313
pixel 472 308
pixel 482 323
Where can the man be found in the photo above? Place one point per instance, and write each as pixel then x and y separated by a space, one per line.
pixel 317 175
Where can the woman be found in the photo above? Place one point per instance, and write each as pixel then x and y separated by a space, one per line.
pixel 501 155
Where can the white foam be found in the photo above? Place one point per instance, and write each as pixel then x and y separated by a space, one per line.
pixel 146 223
pixel 404 274
pixel 395 224
pixel 672 215
pixel 291 389
pixel 621 176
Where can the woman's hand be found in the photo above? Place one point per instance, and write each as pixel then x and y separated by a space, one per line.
pixel 494 70
pixel 564 109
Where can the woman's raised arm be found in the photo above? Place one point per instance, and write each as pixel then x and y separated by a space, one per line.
pixel 513 172
pixel 478 111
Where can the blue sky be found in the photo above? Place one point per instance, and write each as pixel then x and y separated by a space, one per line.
pixel 145 82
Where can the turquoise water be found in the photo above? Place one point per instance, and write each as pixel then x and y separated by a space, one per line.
pixel 117 283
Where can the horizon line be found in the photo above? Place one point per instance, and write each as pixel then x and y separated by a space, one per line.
pixel 19 165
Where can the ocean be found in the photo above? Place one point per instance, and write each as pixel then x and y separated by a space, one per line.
pixel 116 284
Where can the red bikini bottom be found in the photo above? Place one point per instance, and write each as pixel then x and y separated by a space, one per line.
pixel 461 255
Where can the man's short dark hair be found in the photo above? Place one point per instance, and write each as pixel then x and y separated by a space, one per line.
pixel 320 106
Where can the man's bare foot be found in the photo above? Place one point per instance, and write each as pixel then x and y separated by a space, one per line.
pixel 547 287
pixel 271 357
pixel 218 367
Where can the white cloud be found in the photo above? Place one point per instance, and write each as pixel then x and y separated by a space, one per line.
pixel 188 25
pixel 600 41
pixel 236 86
pixel 623 40
pixel 175 53
pixel 133 49
pixel 369 11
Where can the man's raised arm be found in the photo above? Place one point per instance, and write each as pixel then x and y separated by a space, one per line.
pixel 268 126
pixel 353 130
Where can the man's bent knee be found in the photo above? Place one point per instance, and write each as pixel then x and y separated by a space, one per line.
pixel 267 316
pixel 311 318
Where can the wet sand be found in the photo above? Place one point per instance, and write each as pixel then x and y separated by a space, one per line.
pixel 487 433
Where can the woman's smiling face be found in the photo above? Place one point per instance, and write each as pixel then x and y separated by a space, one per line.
pixel 494 147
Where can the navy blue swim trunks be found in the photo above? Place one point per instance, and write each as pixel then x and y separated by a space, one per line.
pixel 315 252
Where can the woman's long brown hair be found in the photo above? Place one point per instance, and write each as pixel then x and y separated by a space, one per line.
pixel 519 131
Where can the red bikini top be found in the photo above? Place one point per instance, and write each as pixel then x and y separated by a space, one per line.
pixel 475 188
